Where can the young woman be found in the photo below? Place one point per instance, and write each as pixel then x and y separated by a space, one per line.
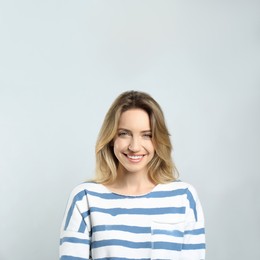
pixel 135 208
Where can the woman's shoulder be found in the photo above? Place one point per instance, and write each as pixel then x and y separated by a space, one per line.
pixel 87 187
pixel 179 185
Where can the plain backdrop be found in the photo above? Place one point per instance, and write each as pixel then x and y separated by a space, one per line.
pixel 63 62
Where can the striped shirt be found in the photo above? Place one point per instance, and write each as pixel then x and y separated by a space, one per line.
pixel 166 223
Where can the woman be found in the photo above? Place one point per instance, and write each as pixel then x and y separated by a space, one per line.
pixel 135 208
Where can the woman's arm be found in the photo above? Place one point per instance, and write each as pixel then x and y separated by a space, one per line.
pixel 194 245
pixel 75 231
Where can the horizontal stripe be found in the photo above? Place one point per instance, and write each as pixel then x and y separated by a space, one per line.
pixel 144 230
pixel 198 231
pixel 193 246
pixel 140 211
pixel 119 242
pixel 125 228
pixel 167 246
pixel 177 246
pixel 154 194
pixel 74 240
pixel 174 233
pixel 68 257
pixel 155 245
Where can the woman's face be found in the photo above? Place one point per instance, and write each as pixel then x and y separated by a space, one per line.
pixel 133 145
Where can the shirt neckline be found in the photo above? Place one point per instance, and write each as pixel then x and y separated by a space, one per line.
pixel 129 195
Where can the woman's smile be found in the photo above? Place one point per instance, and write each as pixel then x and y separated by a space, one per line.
pixel 134 158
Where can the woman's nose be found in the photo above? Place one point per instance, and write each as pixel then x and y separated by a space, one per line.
pixel 134 145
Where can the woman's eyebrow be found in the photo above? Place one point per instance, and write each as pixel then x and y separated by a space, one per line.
pixel 127 130
pixel 146 132
pixel 124 129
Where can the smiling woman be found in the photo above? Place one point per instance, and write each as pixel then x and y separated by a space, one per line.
pixel 135 208
pixel 161 167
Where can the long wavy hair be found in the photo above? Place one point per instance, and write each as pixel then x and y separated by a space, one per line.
pixel 161 168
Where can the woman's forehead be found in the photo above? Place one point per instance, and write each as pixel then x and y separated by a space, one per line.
pixel 134 118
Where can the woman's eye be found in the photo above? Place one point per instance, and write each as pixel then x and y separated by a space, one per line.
pixel 123 134
pixel 148 136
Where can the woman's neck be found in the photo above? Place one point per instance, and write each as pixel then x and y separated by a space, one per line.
pixel 131 183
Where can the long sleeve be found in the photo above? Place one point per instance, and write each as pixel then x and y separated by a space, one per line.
pixel 75 230
pixel 194 230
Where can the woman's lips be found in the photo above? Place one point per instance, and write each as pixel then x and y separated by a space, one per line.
pixel 134 158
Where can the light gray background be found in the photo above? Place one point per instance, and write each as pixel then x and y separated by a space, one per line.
pixel 62 63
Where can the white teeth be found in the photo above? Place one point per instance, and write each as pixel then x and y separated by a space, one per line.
pixel 135 156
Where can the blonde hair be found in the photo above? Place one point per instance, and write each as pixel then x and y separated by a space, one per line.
pixel 161 168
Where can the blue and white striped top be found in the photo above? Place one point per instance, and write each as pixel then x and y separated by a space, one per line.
pixel 166 223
